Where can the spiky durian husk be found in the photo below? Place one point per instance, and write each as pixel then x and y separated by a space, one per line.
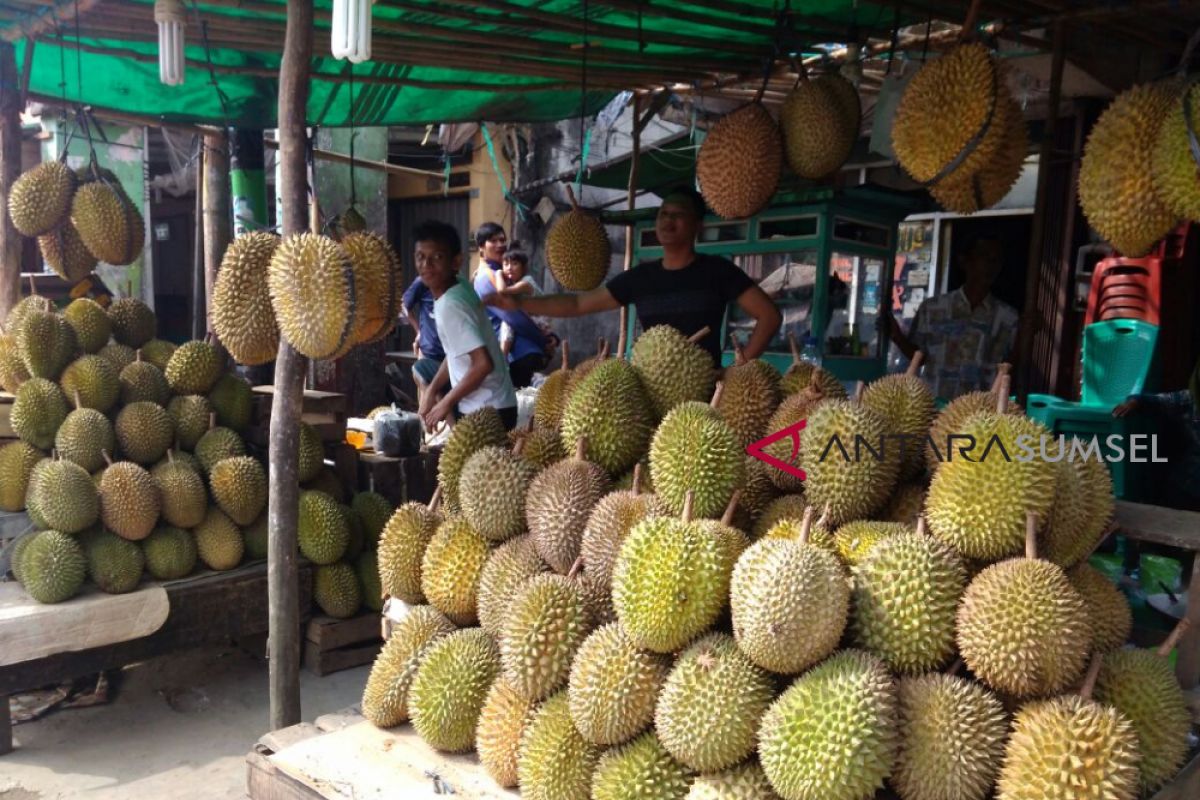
pixel 739 163
pixel 578 251
pixel 819 120
pixel 242 316
pixel 41 198
pixel 311 283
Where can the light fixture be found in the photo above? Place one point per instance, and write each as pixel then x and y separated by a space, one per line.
pixel 351 34
pixel 171 17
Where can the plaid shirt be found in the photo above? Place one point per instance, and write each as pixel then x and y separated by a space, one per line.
pixel 962 345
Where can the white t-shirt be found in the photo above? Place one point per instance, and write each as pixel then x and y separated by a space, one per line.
pixel 463 326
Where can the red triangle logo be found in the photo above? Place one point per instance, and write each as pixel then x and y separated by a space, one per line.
pixel 756 450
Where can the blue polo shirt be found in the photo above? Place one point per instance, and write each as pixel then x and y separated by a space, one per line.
pixel 418 293
pixel 527 336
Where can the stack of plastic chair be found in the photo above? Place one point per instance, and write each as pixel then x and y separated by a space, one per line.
pixel 1118 360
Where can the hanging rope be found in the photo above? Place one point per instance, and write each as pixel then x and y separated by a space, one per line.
pixel 895 37
pixel 222 98
pixel 491 151
pixel 353 193
pixel 585 141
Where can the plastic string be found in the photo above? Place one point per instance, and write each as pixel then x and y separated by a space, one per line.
pixel 491 151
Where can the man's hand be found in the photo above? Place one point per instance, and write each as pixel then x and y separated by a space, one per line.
pixel 417 346
pixel 436 414
pixel 1126 408
pixel 504 302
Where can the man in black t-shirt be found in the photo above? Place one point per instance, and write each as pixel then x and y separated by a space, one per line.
pixel 683 289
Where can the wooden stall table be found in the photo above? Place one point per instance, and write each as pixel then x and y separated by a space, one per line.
pixel 46 644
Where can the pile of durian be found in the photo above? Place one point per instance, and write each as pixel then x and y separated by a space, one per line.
pixel 131 462
pixel 79 218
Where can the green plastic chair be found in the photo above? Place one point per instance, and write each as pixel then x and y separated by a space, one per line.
pixel 1118 360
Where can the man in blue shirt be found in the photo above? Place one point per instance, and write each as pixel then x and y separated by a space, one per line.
pixel 418 308
pixel 528 353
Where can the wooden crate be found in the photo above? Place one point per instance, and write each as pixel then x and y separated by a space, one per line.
pixel 400 480
pixel 325 411
pixel 6 404
pixel 331 645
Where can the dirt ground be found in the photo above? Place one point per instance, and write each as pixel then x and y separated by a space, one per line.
pixel 179 727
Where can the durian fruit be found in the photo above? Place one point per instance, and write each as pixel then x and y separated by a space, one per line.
pixel 451 683
pixel 91 381
pixel 708 712
pixel 1070 747
pixel 1116 176
pixel 966 193
pixel 1174 165
pixel 1107 609
pixel 242 316
pixel 91 323
pixel 158 352
pixel 133 323
pixel 908 407
pixel 311 283
pixel 856 540
pixel 255 534
pixel 671 580
pixel 949 421
pixel 757 492
pixel 695 452
pixel 114 564
pixel 581 370
pixel 1022 627
pixel 784 507
pixel 37 412
pixel 906 593
pixel 507 569
pixel 546 622
pixel 672 367
pixel 183 457
pixel 749 399
pixel 611 411
pixel 577 249
pixel 312 453
pixel 40 198
pixel 552 395
pixel 233 401
pixel 84 436
pixel 193 368
pixel 792 410
pixel 402 547
pixel 64 496
pixel 336 591
pixel 373 510
pixel 17 551
pixel 184 499
pixel 366 569
pixel 130 502
pixel 498 481
pixel 219 543
pixel 107 223
pixel 832 734
pixel 451 568
pixel 53 567
pixel 505 714
pixel 322 531
pixel 239 488
pixel 640 770
pixel 557 506
pixel 24 307
pixel 170 553
pixel 144 432
pixel 218 444
pixel 46 343
pixel 12 369
pixel 119 355
pixel 141 380
pixel 792 530
pixel 610 522
pixel 32 494
pixel 377 290
pixel 540 447
pixel 790 600
pixel 358 537
pixel 385 697
pixel 17 460
pixel 952 734
pixel 819 125
pixel 1083 507
pixel 802 374
pixel 739 162
pixel 744 782
pixel 905 505
pixel 979 505
pixel 63 249
pixel 613 686
pixel 554 762
pixel 473 432
pixel 1142 686
pixel 846 481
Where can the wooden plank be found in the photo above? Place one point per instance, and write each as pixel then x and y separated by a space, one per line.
pixel 6 740
pixel 265 782
pixel 275 741
pixel 325 662
pixel 1187 665
pixel 1168 526
pixel 314 401
pixel 30 630
pixel 339 719
pixel 328 633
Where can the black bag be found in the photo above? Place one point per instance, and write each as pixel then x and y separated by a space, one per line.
pixel 398 433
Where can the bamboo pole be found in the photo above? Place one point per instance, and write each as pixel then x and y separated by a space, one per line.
pixel 199 295
pixel 631 197
pixel 45 19
pixel 218 213
pixel 283 591
pixel 10 169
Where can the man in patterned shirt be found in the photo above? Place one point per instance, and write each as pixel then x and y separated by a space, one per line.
pixel 965 333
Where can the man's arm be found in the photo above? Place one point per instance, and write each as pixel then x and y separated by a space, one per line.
pixel 767 319
pixel 557 305
pixel 435 387
pixel 481 367
pixel 905 343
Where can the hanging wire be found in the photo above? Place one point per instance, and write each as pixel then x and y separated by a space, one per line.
pixel 585 140
pixel 353 193
pixel 895 38
pixel 222 98
pixel 928 33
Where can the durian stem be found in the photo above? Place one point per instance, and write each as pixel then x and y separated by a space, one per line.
pixel 212 420
pixel 1031 550
pixel 688 501
pixel 806 524
pixel 566 355
pixel 581 447
pixel 137 356
pixel 571 197
pixel 739 355
pixel 914 366
pixel 859 388
pixel 717 392
pixel 1176 634
pixel 731 509
pixel 922 525
pixel 436 500
pixel 1002 369
pixel 967 34
pixel 621 343
pixel 700 334
pixel 575 568
pixel 519 446
pixel 170 457
pixel 795 347
pixel 824 518
pixel 32 286
pixel 1089 683
pixel 78 402
pixel 1109 530
pixel 107 457
pixel 1002 394
pixel 602 349
pixel 637 479
pixel 956 667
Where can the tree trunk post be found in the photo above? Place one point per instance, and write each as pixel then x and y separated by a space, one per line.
pixel 283 510
pixel 218 218
pixel 10 169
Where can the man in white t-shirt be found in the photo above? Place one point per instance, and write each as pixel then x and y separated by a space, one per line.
pixel 474 366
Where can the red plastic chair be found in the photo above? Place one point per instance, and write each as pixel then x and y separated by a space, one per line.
pixel 1126 288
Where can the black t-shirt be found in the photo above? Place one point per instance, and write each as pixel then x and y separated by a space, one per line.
pixel 687 299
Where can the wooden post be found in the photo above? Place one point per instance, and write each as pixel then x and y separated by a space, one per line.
pixel 199 295
pixel 10 169
pixel 283 591
pixel 631 230
pixel 218 218
pixel 1037 236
